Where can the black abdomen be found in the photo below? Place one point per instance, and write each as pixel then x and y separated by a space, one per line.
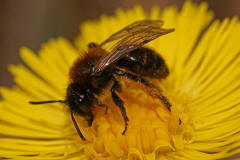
pixel 145 62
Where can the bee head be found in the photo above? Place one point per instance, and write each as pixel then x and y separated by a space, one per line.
pixel 76 97
pixel 77 100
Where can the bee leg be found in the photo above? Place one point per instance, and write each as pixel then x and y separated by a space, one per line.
pixel 96 101
pixel 90 118
pixel 137 78
pixel 76 126
pixel 116 87
pixel 102 105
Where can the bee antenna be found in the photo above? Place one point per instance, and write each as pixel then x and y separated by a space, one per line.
pixel 43 102
pixel 76 126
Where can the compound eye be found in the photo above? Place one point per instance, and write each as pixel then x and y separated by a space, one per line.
pixel 92 45
pixel 81 97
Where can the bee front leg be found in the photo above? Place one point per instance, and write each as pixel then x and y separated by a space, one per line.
pixel 96 101
pixel 116 87
pixel 137 78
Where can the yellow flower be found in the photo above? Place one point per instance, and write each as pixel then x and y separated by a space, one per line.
pixel 203 86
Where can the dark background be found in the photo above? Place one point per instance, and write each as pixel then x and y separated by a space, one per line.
pixel 32 22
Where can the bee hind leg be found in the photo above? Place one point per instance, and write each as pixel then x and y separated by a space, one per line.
pixel 116 87
pixel 156 92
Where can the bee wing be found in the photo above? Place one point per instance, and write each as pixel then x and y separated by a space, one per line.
pixel 132 28
pixel 129 38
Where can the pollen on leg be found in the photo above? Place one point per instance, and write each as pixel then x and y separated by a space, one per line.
pixel 152 128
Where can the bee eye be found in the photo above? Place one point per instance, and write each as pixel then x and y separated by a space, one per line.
pixel 81 98
pixel 92 45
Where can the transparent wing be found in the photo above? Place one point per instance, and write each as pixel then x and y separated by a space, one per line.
pixel 130 38
pixel 132 28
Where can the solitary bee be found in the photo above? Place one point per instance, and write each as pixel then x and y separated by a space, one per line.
pixel 97 69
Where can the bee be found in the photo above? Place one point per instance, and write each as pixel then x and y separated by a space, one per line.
pixel 91 74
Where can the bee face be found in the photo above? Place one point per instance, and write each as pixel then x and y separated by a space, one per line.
pixel 76 97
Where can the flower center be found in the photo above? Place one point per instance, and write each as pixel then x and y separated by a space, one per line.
pixel 152 129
